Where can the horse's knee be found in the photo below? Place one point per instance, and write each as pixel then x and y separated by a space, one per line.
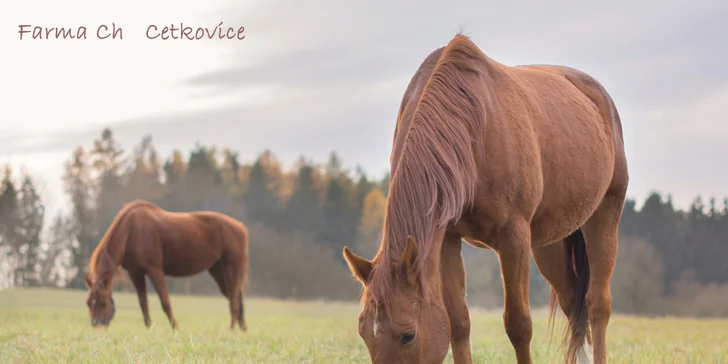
pixel 460 329
pixel 519 327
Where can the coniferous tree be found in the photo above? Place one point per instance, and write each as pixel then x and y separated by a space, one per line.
pixel 303 210
pixel 107 159
pixel 30 223
pixel 10 239
pixel 260 201
pixel 77 181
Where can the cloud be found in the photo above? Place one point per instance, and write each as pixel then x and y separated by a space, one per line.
pixel 336 71
pixel 252 130
pixel 651 54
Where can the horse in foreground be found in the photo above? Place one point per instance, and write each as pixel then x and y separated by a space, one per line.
pixel 148 241
pixel 524 160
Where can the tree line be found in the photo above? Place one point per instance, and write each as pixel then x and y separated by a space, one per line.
pixel 300 216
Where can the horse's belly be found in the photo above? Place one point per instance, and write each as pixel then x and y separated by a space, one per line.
pixel 191 260
pixel 556 221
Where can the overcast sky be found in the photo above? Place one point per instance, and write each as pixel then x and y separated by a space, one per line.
pixel 315 76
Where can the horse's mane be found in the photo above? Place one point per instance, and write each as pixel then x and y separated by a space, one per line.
pixel 110 232
pixel 434 179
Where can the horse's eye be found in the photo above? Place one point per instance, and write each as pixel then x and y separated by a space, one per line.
pixel 407 338
pixel 102 304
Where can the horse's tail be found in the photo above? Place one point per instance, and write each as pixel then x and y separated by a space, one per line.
pixel 241 232
pixel 579 316
pixel 245 239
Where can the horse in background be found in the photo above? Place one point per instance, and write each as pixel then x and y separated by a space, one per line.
pixel 146 240
pixel 523 160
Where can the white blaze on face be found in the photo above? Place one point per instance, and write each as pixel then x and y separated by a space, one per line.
pixel 375 327
pixel 585 354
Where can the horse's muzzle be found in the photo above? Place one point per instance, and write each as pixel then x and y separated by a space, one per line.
pixel 104 323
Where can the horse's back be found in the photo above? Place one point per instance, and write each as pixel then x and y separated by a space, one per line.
pixel 177 242
pixel 592 89
pixel 233 234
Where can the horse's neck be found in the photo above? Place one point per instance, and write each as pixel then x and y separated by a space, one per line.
pixel 107 265
pixel 433 262
pixel 430 274
pixel 114 249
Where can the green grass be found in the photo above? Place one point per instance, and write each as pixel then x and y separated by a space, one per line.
pixel 52 326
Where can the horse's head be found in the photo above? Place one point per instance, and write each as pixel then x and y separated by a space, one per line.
pixel 100 304
pixel 405 327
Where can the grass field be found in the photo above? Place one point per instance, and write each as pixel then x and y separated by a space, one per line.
pixel 49 326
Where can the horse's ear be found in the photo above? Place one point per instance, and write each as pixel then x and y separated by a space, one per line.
pixel 407 262
pixel 360 267
pixel 87 280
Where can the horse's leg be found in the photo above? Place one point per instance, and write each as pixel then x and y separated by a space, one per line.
pixel 601 236
pixel 160 285
pixel 513 246
pixel 233 280
pixel 217 272
pixel 140 284
pixel 453 287
pixel 554 263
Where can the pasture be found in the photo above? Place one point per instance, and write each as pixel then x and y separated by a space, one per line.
pixel 52 326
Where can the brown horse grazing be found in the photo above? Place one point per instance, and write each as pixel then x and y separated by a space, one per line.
pixel 522 160
pixel 146 240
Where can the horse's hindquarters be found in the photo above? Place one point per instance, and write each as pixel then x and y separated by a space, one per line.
pixel 573 161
